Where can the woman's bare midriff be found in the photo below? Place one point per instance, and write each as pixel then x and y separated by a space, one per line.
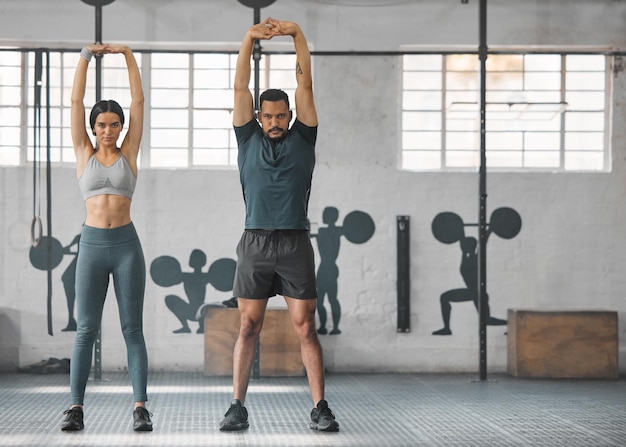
pixel 107 211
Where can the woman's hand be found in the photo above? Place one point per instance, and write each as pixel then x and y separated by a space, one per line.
pixel 98 49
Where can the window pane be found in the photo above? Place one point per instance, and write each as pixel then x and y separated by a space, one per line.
pixel 422 81
pixel 215 138
pixel 10 58
pixel 505 81
pixel 509 159
pixel 463 124
pixel 422 62
pixel 584 140
pixel 212 119
pixel 462 81
pixel 584 161
pixel 541 159
pixel 463 62
pixel 505 62
pixel 585 81
pixel 211 61
pixel 10 96
pixel 504 141
pixel 462 159
pixel 542 62
pixel 169 138
pixel 421 100
pixel 9 136
pixel 10 116
pixel 170 78
pixel 169 118
pixel 524 121
pixel 462 96
pixel 462 140
pixel 211 79
pixel 542 81
pixel 421 121
pixel 421 140
pixel 585 62
pixel 534 141
pixel 169 60
pixel 162 98
pixel 213 99
pixel 422 160
pixel 9 155
pixel 283 61
pixel 585 100
pixel 584 121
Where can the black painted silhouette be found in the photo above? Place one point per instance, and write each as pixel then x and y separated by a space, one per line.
pixel 448 228
pixel 69 280
pixel 39 259
pixel 166 272
pixel 358 227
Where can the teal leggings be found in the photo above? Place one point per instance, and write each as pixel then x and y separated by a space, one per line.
pixel 103 252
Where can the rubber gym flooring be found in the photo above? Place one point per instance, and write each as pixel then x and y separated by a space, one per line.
pixel 394 410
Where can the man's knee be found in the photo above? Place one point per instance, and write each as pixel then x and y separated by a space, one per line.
pixel 306 330
pixel 249 328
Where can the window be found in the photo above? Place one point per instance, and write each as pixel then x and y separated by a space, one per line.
pixel 543 112
pixel 188 115
pixel 10 103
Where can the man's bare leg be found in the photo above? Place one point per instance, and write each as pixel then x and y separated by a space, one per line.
pixel 251 315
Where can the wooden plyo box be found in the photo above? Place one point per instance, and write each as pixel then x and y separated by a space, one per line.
pixel 279 347
pixel 562 344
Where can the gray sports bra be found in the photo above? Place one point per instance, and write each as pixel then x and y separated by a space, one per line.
pixel 117 179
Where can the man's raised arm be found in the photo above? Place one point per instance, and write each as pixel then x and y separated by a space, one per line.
pixel 243 110
pixel 305 103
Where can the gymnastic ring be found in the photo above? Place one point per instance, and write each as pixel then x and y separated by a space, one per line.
pixel 36 223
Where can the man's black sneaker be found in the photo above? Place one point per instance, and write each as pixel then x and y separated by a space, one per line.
pixel 322 418
pixel 236 418
pixel 73 419
pixel 141 418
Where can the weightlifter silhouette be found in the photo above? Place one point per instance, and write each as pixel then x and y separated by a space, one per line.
pixel 358 227
pixel 42 259
pixel 166 272
pixel 448 228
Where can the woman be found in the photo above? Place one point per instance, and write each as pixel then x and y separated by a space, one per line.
pixel 108 244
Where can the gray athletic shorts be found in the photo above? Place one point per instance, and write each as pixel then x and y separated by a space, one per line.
pixel 275 262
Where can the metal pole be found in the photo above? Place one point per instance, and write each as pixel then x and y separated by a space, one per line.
pixel 98 343
pixel 48 193
pixel 256 5
pixel 98 6
pixel 256 55
pixel 482 207
pixel 404 273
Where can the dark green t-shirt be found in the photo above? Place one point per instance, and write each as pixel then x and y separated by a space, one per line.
pixel 276 177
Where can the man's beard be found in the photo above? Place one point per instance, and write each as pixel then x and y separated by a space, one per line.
pixel 276 139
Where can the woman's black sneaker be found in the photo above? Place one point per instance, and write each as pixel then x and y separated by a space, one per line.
pixel 322 418
pixel 236 418
pixel 141 418
pixel 73 419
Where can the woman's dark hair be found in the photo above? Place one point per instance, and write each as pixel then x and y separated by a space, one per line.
pixel 107 105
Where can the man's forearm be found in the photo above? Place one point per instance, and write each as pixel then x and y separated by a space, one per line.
pixel 303 58
pixel 242 71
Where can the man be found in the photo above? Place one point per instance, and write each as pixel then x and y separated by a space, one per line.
pixel 275 255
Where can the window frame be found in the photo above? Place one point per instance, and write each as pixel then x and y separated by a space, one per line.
pixel 443 149
pixel 144 57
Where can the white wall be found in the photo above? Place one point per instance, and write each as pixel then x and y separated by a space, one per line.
pixel 570 254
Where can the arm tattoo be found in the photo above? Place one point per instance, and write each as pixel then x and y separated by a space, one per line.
pixel 298 69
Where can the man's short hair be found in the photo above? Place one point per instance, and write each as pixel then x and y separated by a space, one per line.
pixel 273 95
